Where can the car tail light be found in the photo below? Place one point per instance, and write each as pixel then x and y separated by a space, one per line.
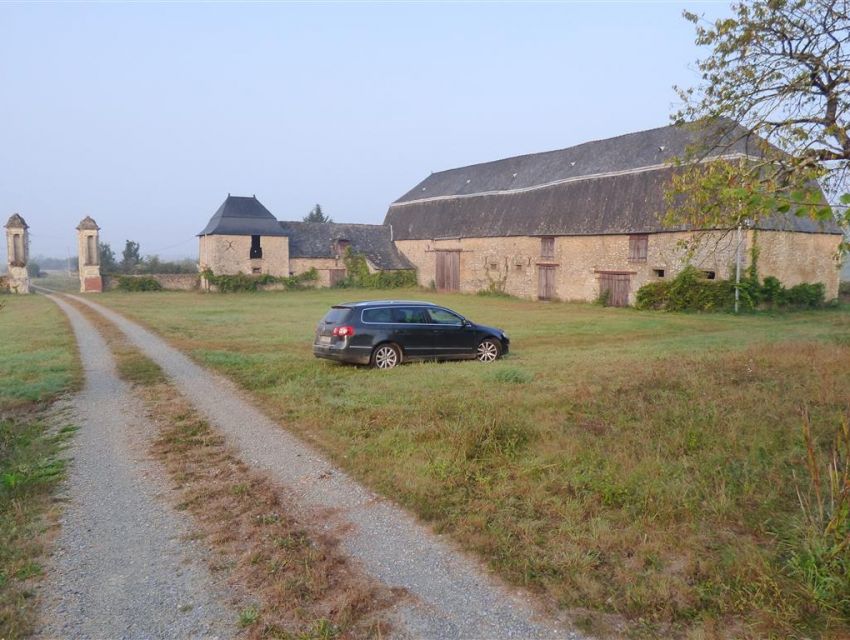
pixel 344 331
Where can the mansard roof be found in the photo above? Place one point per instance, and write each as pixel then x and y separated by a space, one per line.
pixel 242 216
pixel 610 186
pixel 316 240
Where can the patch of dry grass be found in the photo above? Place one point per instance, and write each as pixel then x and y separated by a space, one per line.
pixel 292 579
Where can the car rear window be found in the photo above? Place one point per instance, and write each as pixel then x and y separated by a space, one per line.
pixel 336 315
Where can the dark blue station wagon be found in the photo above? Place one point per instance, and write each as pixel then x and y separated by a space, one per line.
pixel 385 333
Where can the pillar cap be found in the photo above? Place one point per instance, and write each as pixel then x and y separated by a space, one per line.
pixel 87 224
pixel 17 222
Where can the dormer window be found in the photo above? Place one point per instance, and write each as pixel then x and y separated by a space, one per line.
pixel 340 245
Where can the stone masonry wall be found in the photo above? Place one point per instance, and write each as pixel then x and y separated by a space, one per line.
pixel 229 255
pixel 169 281
pixel 322 265
pixel 511 264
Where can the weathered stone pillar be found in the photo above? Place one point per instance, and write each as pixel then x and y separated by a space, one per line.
pixel 18 248
pixel 89 256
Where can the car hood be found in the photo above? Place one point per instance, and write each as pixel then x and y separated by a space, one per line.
pixel 486 329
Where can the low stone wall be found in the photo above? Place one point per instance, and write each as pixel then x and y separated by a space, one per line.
pixel 168 281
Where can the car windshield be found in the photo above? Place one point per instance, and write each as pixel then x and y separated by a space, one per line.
pixel 443 316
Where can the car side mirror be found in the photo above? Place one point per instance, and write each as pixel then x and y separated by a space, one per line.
pixel 466 323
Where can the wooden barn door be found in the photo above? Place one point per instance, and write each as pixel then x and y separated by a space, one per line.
pixel 448 270
pixel 545 282
pixel 335 275
pixel 617 285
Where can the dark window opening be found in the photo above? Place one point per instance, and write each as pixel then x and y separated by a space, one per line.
pixel 638 245
pixel 710 275
pixel 547 248
pixel 659 273
pixel 256 249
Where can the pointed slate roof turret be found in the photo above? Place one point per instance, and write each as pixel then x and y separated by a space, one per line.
pixel 88 224
pixel 242 216
pixel 17 222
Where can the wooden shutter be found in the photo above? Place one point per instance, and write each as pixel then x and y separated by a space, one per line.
pixel 638 245
pixel 547 249
pixel 335 275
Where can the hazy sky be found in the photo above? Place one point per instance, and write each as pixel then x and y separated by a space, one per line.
pixel 145 116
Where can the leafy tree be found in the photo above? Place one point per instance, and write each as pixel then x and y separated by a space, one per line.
pixel 107 258
pixel 33 269
pixel 780 68
pixel 130 257
pixel 317 215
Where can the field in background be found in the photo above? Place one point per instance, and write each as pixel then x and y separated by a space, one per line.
pixel 636 463
pixel 38 362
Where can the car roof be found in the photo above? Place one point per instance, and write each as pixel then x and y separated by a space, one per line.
pixel 384 303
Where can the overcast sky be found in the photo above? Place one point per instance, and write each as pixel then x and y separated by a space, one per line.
pixel 145 116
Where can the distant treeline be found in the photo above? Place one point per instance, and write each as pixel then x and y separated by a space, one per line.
pixel 131 262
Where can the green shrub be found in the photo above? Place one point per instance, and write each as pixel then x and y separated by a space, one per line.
pixel 359 276
pixel 805 296
pixel 242 282
pixel 691 291
pixel 513 376
pixel 145 283
pixel 652 295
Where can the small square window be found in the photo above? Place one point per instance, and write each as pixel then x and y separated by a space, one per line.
pixel 710 275
pixel 659 273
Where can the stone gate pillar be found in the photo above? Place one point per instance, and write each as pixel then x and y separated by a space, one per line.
pixel 18 248
pixel 89 256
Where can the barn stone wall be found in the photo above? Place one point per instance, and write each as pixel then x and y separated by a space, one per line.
pixel 322 265
pixel 229 255
pixel 511 264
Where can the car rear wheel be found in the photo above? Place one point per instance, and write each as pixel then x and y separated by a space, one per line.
pixel 489 350
pixel 386 356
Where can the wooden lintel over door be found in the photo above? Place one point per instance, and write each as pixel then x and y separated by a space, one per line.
pixel 448 270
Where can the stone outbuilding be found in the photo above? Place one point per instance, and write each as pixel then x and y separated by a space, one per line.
pixel 573 223
pixel 243 236
pixel 17 254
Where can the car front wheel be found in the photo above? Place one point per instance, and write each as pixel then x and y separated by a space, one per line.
pixel 386 356
pixel 489 350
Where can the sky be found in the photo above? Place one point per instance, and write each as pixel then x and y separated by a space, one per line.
pixel 146 115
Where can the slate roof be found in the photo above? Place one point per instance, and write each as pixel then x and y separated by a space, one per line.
pixel 242 216
pixel 610 186
pixel 316 239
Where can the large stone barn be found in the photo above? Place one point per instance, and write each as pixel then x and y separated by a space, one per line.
pixel 244 237
pixel 572 223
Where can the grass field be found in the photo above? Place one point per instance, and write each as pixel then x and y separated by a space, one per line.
pixel 640 465
pixel 38 362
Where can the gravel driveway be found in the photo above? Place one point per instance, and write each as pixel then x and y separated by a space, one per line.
pixel 120 568
pixel 453 595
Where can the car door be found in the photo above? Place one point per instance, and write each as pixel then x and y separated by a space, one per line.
pixel 412 331
pixel 451 336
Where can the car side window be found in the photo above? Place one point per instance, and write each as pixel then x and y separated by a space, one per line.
pixel 381 314
pixel 442 316
pixel 409 315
